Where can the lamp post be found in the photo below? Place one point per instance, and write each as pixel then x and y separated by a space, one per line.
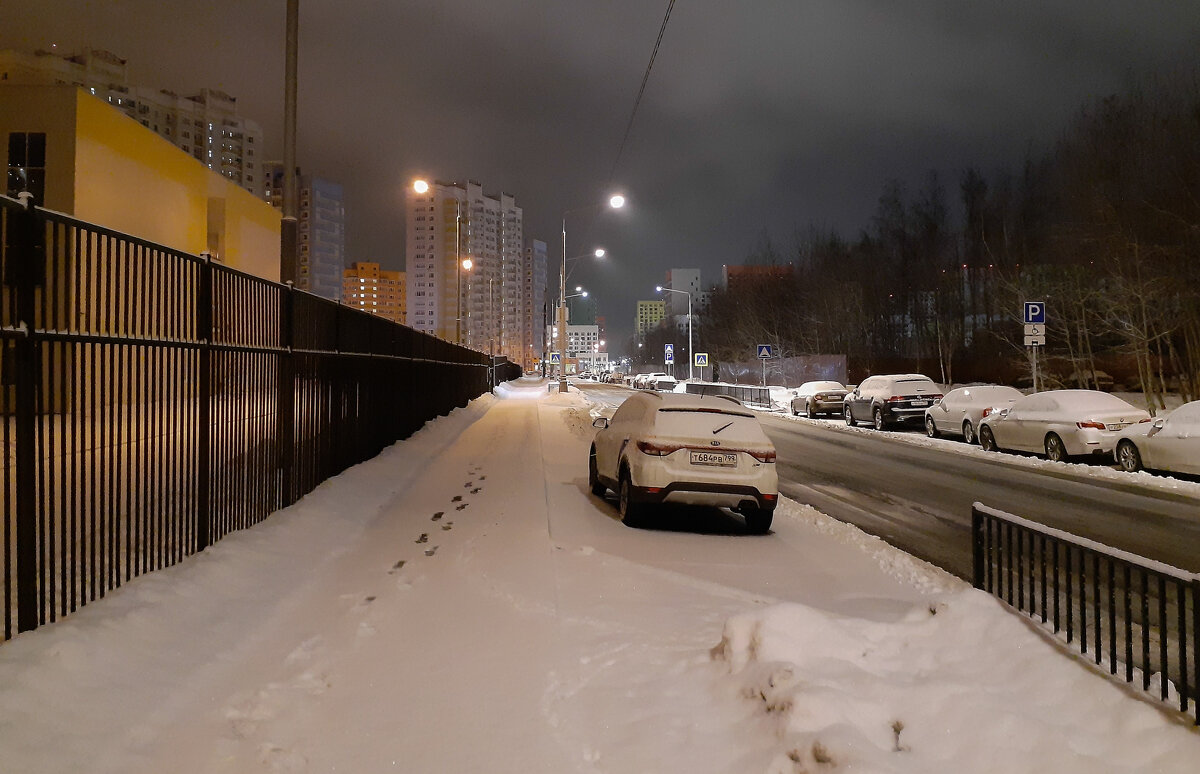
pixel 691 357
pixel 616 202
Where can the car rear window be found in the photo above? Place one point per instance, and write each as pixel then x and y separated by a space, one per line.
pixel 729 426
pixel 915 385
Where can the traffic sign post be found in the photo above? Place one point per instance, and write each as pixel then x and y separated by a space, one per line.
pixel 701 361
pixel 1033 313
pixel 764 352
pixel 669 356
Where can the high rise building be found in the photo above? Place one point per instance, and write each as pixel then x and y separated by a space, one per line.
pixel 483 305
pixel 368 287
pixel 205 125
pixel 688 281
pixel 649 315
pixel 321 230
pixel 536 310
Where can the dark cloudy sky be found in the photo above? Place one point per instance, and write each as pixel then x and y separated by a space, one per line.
pixel 761 115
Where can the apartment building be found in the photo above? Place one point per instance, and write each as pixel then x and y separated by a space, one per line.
pixel 368 287
pixel 205 125
pixel 649 315
pixel 471 269
pixel 321 230
pixel 536 310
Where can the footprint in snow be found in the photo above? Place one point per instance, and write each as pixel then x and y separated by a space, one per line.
pixel 476 490
pixel 438 515
pixel 396 567
pixel 456 499
pixel 468 485
pixel 424 538
pixel 446 527
pixel 431 551
pixel 460 507
pixel 483 478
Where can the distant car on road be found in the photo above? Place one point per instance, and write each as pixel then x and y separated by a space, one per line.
pixel 663 384
pixel 959 411
pixel 1060 424
pixel 691 449
pixel 816 398
pixel 891 399
pixel 1170 443
pixel 641 381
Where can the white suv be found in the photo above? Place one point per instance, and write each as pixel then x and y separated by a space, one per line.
pixel 692 449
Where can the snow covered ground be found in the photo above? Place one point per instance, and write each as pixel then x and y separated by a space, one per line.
pixel 461 604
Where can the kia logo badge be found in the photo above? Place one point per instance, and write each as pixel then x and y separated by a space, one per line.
pixel 714 443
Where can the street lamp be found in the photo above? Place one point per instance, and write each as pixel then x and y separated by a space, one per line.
pixel 616 202
pixel 691 357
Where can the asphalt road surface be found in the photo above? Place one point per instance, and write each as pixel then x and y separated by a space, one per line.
pixel 919 498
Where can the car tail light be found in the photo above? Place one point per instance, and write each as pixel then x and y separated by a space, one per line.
pixel 935 396
pixel 763 456
pixel 986 412
pixel 657 449
pixel 769 497
pixel 1093 425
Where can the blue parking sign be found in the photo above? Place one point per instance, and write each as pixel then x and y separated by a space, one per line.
pixel 1035 312
pixel 669 354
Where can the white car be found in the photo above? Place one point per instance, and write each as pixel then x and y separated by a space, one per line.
pixel 959 411
pixel 662 384
pixel 815 398
pixel 1170 443
pixel 1060 424
pixel 641 381
pixel 691 449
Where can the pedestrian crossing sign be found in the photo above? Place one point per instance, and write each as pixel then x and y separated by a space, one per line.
pixel 555 359
pixel 701 359
pixel 764 350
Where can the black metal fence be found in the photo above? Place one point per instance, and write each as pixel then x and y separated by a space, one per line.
pixel 154 401
pixel 751 396
pixel 1141 616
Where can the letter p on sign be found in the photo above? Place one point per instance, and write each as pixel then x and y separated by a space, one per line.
pixel 1035 312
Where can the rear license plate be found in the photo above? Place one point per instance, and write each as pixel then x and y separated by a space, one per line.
pixel 920 403
pixel 720 459
pixel 1118 426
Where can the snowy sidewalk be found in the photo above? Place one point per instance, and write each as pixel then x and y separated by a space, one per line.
pixel 461 604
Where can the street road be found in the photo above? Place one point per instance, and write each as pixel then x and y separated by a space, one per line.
pixel 919 498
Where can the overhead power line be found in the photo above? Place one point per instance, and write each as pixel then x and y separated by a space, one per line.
pixel 641 91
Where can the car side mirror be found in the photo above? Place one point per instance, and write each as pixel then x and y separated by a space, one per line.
pixel 600 422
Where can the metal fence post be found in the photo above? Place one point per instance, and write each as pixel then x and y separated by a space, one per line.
pixel 24 264
pixel 977 557
pixel 1195 584
pixel 204 334
pixel 285 420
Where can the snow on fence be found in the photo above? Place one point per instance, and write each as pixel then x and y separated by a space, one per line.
pixel 1142 616
pixel 155 401
pixel 752 396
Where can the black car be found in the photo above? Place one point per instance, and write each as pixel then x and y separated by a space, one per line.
pixel 891 400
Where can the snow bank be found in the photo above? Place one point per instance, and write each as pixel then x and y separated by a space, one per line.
pixel 957 685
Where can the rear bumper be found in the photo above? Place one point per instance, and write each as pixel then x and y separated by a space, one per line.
pixel 704 493
pixel 893 414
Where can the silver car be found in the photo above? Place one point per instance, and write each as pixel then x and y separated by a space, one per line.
pixel 1170 443
pixel 959 411
pixel 816 398
pixel 1060 424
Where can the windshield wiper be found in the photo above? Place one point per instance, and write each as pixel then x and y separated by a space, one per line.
pixel 722 427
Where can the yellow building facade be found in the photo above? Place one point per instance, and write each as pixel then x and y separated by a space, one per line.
pixel 103 167
pixel 368 287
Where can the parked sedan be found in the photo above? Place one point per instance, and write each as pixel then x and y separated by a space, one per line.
pixel 1170 443
pixel 816 398
pixel 959 412
pixel 891 399
pixel 692 449
pixel 1060 424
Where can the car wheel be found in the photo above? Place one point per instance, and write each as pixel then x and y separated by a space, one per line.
pixel 809 410
pixel 987 440
pixel 877 418
pixel 597 488
pixel 1055 451
pixel 930 427
pixel 630 511
pixel 795 413
pixel 969 432
pixel 1129 457
pixel 758 521
pixel 848 415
